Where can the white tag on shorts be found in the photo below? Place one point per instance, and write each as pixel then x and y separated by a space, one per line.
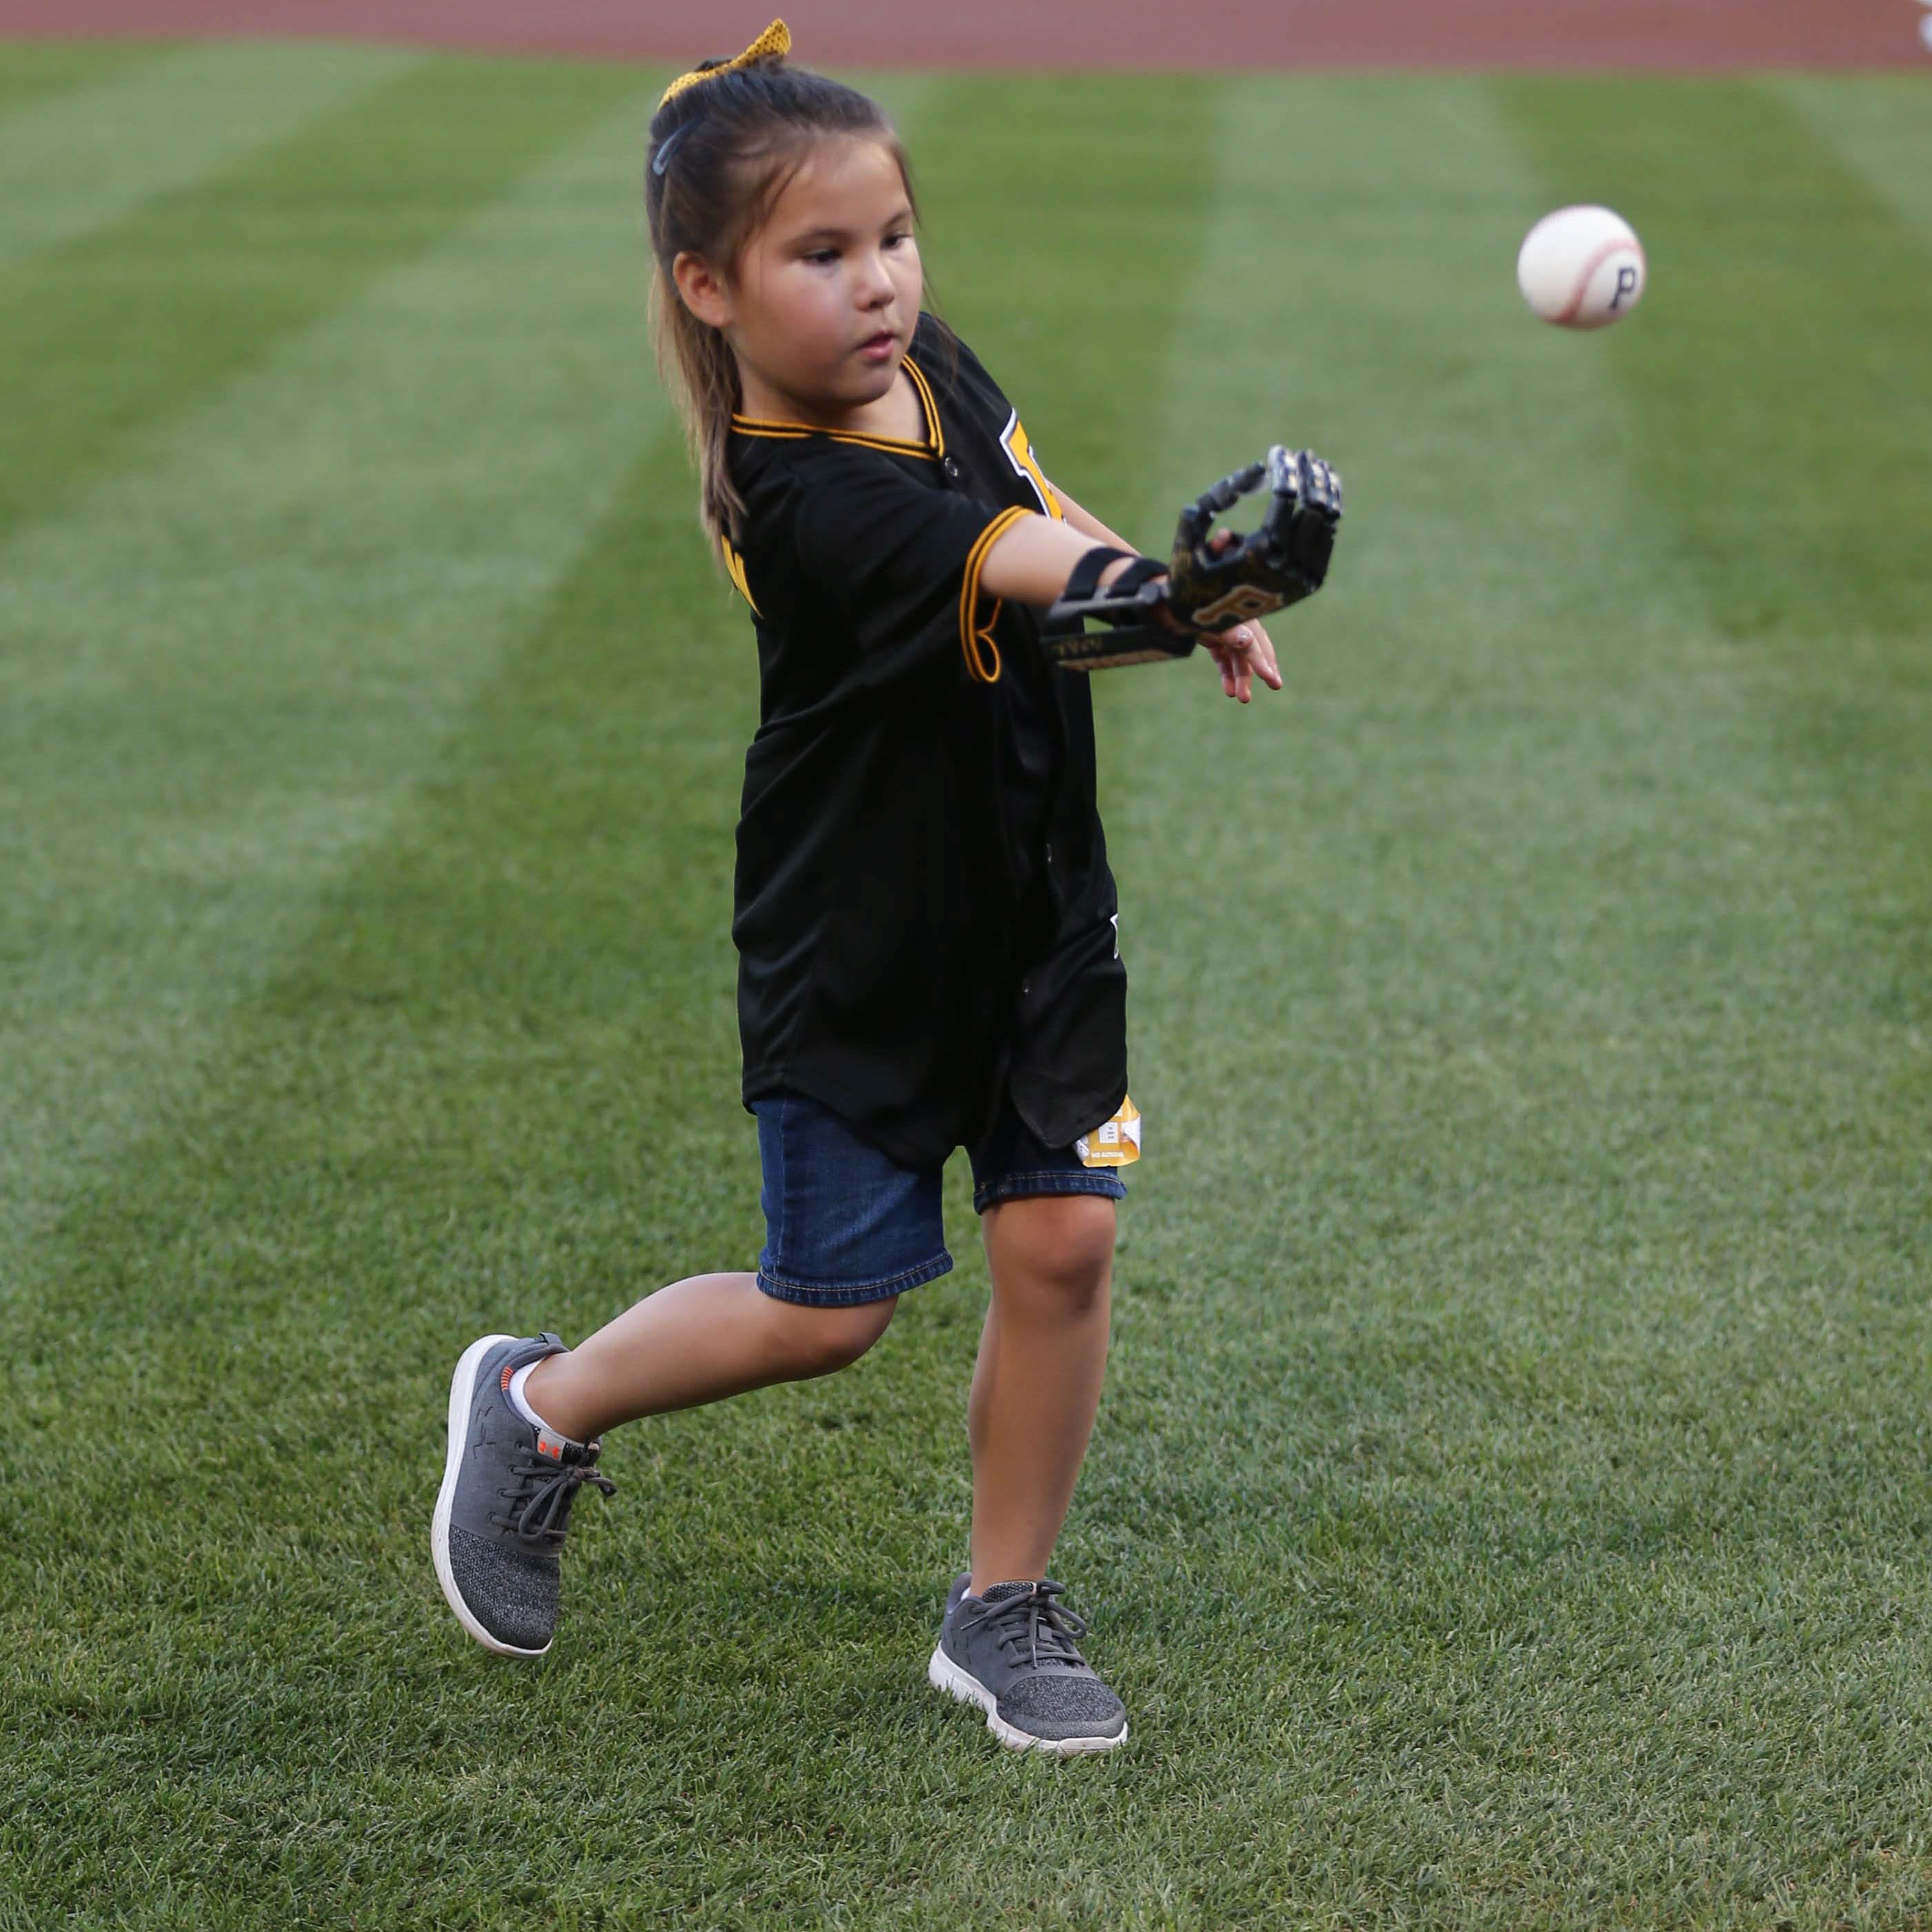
pixel 1115 1143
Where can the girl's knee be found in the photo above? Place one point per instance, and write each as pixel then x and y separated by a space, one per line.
pixel 1058 1248
pixel 819 1341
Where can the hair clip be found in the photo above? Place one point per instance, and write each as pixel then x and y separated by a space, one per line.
pixel 661 160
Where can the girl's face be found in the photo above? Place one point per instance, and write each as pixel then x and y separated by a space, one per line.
pixel 827 293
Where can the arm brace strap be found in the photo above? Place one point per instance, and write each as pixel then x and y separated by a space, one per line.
pixel 1130 632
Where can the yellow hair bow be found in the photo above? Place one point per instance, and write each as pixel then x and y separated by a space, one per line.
pixel 775 40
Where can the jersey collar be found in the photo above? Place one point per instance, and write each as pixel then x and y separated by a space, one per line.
pixel 933 448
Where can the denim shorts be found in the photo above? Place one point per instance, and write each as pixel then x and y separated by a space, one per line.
pixel 845 1224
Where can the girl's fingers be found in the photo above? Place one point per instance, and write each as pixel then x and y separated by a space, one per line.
pixel 1264 662
pixel 1245 664
pixel 1241 655
pixel 1229 661
pixel 1258 654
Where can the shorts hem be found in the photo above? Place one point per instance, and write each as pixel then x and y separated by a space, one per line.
pixel 810 1294
pixel 1046 1180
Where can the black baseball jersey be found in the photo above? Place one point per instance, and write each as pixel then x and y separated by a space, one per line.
pixel 924 911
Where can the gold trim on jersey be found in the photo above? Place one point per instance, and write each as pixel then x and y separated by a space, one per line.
pixel 935 430
pixel 975 640
pixel 934 447
pixel 734 568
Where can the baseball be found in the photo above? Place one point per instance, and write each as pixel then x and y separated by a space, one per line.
pixel 1582 267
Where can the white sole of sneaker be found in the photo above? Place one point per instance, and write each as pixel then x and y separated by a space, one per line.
pixel 943 1674
pixel 462 1391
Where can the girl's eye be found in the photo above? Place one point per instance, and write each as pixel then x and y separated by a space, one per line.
pixel 893 241
pixel 822 257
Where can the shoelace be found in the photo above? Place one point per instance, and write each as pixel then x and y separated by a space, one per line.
pixel 545 1490
pixel 1046 1629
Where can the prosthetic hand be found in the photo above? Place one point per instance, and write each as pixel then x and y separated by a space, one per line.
pixel 1216 580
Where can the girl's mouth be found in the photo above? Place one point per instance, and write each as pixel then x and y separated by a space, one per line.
pixel 879 348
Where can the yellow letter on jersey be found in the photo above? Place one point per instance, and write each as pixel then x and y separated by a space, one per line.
pixel 1019 454
pixel 734 568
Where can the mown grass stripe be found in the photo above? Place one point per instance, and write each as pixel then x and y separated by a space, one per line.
pixel 1880 125
pixel 31 71
pixel 139 321
pixel 91 156
pixel 221 668
pixel 1863 714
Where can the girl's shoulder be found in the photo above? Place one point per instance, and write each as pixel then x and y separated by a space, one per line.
pixel 784 474
pixel 957 375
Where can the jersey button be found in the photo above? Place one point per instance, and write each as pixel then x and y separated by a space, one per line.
pixel 950 465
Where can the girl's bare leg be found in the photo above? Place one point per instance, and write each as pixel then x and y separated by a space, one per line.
pixel 1036 1384
pixel 700 1339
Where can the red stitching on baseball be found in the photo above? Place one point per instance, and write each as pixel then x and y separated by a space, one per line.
pixel 1595 262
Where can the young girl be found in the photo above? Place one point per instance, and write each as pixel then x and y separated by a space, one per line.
pixel 925 918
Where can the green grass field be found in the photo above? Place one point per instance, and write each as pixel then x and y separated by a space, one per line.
pixel 1510 1504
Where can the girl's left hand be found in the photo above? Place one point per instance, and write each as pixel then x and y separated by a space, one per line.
pixel 1242 655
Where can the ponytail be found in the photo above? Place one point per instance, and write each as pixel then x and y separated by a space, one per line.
pixel 695 364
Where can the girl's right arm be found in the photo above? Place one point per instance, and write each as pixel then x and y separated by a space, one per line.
pixel 1032 558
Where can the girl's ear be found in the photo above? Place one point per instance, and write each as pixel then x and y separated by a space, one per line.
pixel 702 290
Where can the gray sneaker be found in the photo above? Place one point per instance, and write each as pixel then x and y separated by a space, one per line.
pixel 504 1502
pixel 1012 1652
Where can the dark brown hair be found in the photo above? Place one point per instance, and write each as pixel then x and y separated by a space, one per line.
pixel 722 151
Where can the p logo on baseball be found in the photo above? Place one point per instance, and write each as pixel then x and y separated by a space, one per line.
pixel 1582 267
